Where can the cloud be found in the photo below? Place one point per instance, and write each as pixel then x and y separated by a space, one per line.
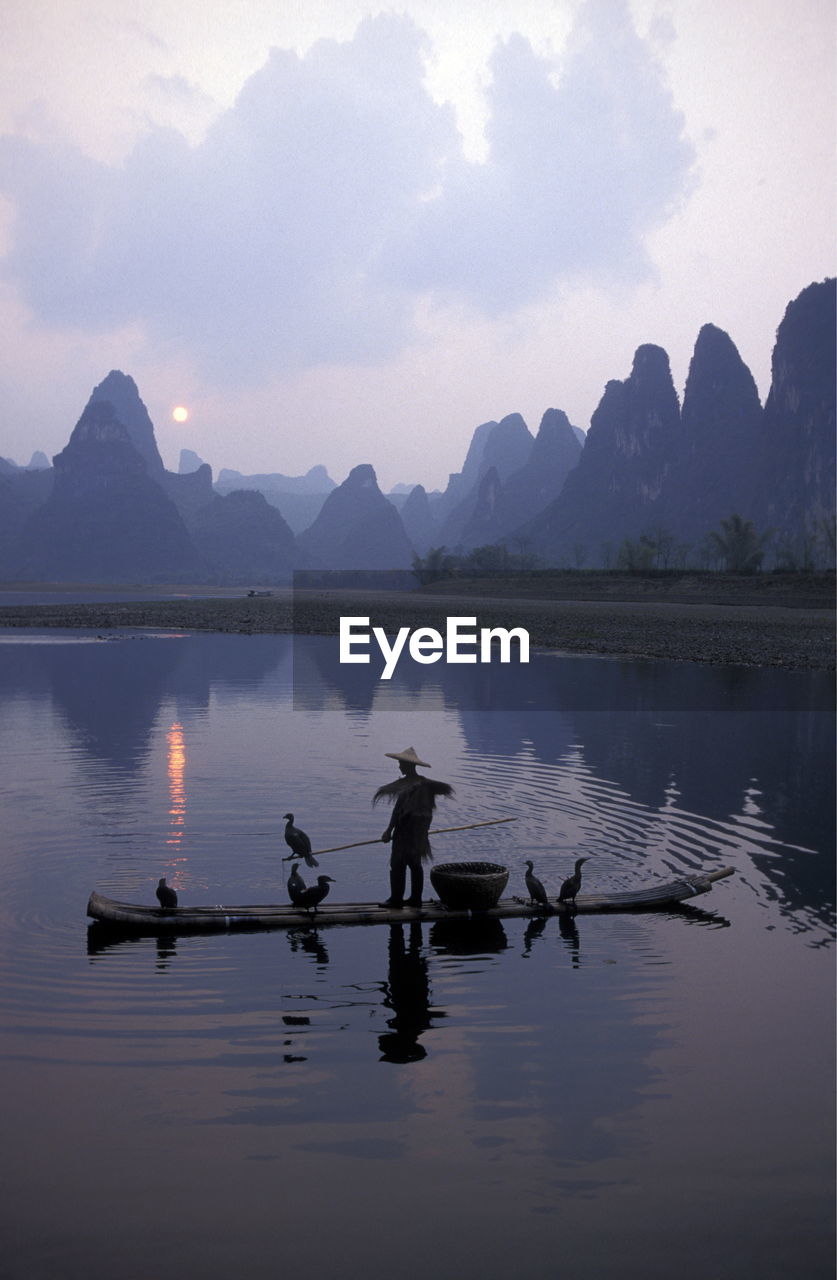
pixel 176 88
pixel 579 171
pixel 334 193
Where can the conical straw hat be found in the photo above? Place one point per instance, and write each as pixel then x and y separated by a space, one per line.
pixel 408 755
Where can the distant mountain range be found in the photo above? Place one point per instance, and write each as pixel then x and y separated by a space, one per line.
pixel 650 474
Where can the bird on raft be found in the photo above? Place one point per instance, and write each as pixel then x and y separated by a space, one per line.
pixel 534 887
pixel 312 897
pixel 298 841
pixel 572 884
pixel 166 896
pixel 296 884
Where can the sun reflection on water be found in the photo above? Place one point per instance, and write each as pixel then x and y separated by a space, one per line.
pixel 176 769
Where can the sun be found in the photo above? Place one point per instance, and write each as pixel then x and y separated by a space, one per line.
pixel 180 413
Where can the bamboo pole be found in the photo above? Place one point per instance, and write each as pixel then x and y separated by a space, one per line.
pixel 438 831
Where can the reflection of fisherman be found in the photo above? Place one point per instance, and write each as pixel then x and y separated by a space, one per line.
pixel 415 798
pixel 407 994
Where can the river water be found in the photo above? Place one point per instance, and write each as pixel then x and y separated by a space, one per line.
pixel 633 1095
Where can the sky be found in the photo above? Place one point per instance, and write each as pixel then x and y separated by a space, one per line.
pixel 342 234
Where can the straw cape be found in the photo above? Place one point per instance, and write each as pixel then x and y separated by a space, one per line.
pixel 413 796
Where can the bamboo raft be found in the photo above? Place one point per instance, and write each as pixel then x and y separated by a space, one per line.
pixel 130 917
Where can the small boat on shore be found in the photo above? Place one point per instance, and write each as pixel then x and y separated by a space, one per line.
pixel 130 917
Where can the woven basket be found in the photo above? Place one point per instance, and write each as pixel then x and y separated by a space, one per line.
pixel 469 886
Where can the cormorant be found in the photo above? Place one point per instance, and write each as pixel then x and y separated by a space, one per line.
pixel 572 884
pixel 298 841
pixel 309 898
pixel 535 889
pixel 166 896
pixel 296 884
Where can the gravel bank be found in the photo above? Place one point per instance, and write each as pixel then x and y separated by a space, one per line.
pixel 772 635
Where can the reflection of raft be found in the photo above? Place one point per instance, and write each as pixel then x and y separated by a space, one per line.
pixel 134 918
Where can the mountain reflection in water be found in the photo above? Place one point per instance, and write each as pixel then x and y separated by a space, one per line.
pixel 678 765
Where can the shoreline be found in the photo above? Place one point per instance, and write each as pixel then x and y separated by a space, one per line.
pixel 662 627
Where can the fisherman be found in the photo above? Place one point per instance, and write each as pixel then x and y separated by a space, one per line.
pixel 414 797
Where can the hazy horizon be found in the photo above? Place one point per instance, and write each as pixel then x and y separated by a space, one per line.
pixel 346 236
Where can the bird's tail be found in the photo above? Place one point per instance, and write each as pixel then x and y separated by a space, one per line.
pixel 310 860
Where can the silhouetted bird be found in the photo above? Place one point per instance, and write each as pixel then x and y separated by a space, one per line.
pixel 572 884
pixel 296 884
pixel 298 841
pixel 535 889
pixel 166 896
pixel 309 898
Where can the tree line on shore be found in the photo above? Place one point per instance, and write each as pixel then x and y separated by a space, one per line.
pixel 736 546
